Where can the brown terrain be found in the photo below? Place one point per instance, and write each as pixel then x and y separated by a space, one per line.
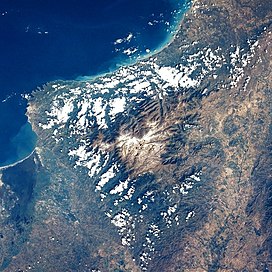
pixel 226 133
pixel 237 233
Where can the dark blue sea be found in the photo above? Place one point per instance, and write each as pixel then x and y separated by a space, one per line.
pixel 45 40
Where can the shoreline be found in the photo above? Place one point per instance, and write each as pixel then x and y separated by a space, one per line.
pixel 18 162
pixel 173 31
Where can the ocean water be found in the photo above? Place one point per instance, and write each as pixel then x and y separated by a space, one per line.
pixel 43 40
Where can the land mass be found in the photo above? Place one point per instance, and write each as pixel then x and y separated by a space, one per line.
pixel 163 165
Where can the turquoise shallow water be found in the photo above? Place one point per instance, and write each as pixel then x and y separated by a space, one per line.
pixel 43 41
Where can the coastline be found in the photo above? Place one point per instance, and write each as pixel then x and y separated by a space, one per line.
pixel 173 30
pixel 18 162
pixel 171 36
pixel 168 40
